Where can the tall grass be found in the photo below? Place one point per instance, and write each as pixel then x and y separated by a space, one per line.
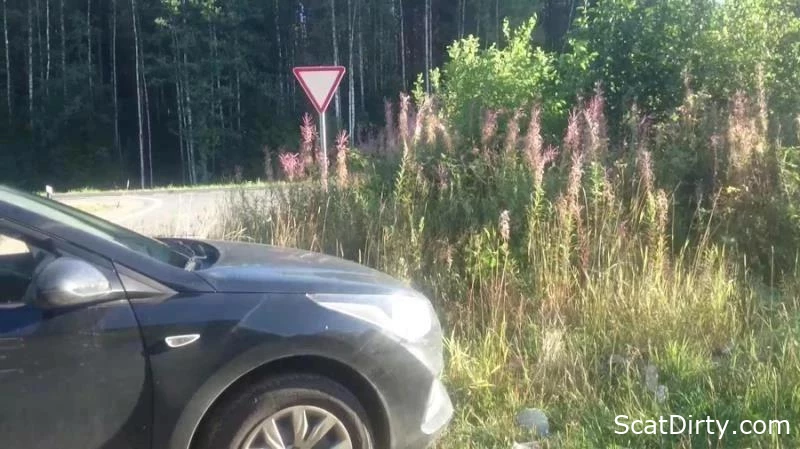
pixel 567 279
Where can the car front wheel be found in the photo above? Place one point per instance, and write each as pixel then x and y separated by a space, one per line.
pixel 289 412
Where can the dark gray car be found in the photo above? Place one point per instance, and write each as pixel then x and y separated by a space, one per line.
pixel 109 339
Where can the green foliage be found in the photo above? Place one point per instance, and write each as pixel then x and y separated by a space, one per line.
pixel 790 179
pixel 642 49
pixel 645 51
pixel 418 92
pixel 514 76
pixel 752 41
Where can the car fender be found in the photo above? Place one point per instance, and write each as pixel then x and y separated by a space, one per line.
pixel 255 358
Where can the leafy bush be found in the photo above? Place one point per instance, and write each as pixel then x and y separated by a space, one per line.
pixel 641 49
pixel 644 50
pixel 476 80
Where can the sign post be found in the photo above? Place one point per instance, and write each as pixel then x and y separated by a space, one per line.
pixel 319 84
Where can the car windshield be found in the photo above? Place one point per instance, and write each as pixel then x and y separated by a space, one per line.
pixel 90 224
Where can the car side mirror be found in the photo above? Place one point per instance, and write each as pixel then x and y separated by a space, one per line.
pixel 69 282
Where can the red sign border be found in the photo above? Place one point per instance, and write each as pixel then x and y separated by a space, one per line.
pixel 321 108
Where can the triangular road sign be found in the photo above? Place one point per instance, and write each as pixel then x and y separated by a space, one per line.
pixel 320 83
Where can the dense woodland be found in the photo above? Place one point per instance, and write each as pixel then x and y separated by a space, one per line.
pixel 169 91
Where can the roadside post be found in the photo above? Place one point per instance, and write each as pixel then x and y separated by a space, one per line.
pixel 320 84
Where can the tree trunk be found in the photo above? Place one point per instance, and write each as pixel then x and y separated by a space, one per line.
pixel 147 115
pixel 335 40
pixel 179 100
pixel 39 46
pixel 30 63
pixel 498 20
pixel 403 44
pixel 114 81
pixel 281 100
pixel 361 62
pixel 217 79
pixel 462 12
pixel 239 103
pixel 238 90
pixel 101 64
pixel 181 139
pixel 63 50
pixel 8 61
pixel 351 78
pixel 378 45
pixel 478 14
pixel 212 112
pixel 47 33
pixel 187 108
pixel 89 43
pixel 189 122
pixel 138 92
pixel 147 119
pixel 427 47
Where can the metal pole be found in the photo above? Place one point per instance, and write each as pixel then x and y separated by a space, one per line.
pixel 324 136
pixel 324 159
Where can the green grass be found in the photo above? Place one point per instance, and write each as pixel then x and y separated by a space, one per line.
pixel 568 300
pixel 570 341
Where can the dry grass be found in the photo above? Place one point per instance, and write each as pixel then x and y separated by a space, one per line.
pixel 566 283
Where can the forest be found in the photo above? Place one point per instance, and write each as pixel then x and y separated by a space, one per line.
pixel 102 92
pixel 601 198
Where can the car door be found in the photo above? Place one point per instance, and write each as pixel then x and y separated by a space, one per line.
pixel 75 378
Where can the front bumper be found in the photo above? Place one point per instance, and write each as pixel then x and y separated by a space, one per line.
pixel 417 405
pixel 413 428
pixel 439 410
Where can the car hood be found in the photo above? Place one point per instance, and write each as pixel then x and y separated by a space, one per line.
pixel 252 268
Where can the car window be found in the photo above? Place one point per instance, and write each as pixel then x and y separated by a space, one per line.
pixel 18 262
pixel 10 246
pixel 74 218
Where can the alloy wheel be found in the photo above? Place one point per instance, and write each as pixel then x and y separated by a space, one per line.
pixel 299 427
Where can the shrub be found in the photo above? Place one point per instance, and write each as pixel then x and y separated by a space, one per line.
pixel 498 78
pixel 644 50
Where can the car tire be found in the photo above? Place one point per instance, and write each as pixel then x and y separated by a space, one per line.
pixel 275 403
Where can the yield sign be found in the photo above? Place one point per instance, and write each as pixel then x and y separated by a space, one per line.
pixel 320 83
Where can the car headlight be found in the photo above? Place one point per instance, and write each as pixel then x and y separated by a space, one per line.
pixel 409 317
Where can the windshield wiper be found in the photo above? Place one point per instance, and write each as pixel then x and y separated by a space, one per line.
pixel 193 260
pixel 193 263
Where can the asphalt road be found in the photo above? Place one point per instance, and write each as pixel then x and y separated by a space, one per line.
pixel 184 213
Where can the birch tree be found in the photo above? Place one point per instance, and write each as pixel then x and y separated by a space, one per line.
pixel 427 47
pixel 8 60
pixel 335 41
pixel 351 117
pixel 30 63
pixel 402 43
pixel 138 91
pixel 63 48
pixel 47 27
pixel 361 62
pixel 279 46
pixel 89 42
pixel 114 80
